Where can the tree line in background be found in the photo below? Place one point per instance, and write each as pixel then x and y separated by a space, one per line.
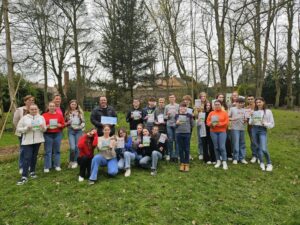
pixel 116 44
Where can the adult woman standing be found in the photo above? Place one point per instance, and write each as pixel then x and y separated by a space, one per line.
pixel 106 157
pixel 31 126
pixel 261 120
pixel 74 119
pixel 218 121
pixel 53 136
pixel 19 113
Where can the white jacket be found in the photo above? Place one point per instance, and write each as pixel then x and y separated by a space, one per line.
pixel 31 132
pixel 265 119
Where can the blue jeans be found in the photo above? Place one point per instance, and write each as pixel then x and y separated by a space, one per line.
pixel 99 160
pixel 156 155
pixel 52 142
pixel 252 145
pixel 21 158
pixel 143 161
pixel 171 141
pixel 200 144
pixel 259 136
pixel 73 136
pixel 125 163
pixel 219 141
pixel 30 158
pixel 183 141
pixel 238 144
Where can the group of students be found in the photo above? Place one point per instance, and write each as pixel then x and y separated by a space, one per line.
pixel 157 131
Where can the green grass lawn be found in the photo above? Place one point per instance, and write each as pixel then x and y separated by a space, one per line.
pixel 205 195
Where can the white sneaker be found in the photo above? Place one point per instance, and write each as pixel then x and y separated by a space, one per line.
pixel 258 161
pixel 191 157
pixel 200 157
pixel 20 171
pixel 229 159
pixel 167 157
pixel 128 172
pixel 80 179
pixel 235 162
pixel 70 165
pixel 225 167
pixel 58 168
pixel 244 161
pixel 262 166
pixel 218 164
pixel 253 160
pixel 74 165
pixel 269 168
pixel 208 162
pixel 46 170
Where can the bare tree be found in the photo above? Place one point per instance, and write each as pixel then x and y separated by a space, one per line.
pixel 9 58
pixel 73 10
pixel 289 71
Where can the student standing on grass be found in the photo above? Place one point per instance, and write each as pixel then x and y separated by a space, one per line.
pixel 125 153
pixel 218 121
pixel 86 145
pixel 238 122
pixel 159 118
pixel 74 120
pixel 208 147
pixel 102 110
pixel 249 109
pixel 262 119
pixel 58 107
pixel 19 113
pixel 159 149
pixel 106 157
pixel 145 148
pixel 184 124
pixel 31 126
pixel 55 123
pixel 134 115
pixel 197 112
pixel 148 113
pixel 170 111
pixel 221 98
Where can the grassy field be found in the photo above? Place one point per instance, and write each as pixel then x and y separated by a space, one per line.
pixel 205 195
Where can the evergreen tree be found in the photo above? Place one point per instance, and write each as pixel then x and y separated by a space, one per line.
pixel 128 45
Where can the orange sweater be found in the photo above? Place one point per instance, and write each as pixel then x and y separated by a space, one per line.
pixel 223 121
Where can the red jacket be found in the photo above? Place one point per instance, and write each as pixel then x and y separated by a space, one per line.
pixel 60 119
pixel 84 149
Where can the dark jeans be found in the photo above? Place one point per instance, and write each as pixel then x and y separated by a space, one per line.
pixel 30 158
pixel 183 141
pixel 228 144
pixel 85 166
pixel 21 158
pixel 208 149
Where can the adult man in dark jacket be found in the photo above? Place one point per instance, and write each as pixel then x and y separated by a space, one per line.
pixel 102 110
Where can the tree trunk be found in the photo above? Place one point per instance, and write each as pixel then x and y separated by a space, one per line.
pixel 289 72
pixel 79 80
pixel 45 77
pixel 10 66
pixel 258 58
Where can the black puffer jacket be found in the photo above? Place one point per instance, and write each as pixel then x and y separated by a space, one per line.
pixel 96 118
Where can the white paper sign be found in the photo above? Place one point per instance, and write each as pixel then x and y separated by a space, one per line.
pixel 136 115
pixel 36 124
pixel 160 118
pixel 214 120
pixel 190 111
pixel 182 118
pixel 146 141
pixel 150 118
pixel 162 138
pixel 198 103
pixel 53 123
pixel 108 120
pixel 120 143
